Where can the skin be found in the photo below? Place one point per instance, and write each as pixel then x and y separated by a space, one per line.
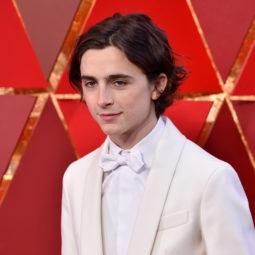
pixel 119 95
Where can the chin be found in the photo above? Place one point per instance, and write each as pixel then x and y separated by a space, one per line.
pixel 110 130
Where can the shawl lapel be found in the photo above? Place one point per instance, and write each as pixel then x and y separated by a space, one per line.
pixel 91 231
pixel 158 183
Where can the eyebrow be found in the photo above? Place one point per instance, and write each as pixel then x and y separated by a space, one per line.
pixel 108 78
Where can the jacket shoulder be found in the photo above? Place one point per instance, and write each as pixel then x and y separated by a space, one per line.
pixel 194 160
pixel 202 161
pixel 79 168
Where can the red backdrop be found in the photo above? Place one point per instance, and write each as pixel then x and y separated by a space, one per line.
pixel 44 126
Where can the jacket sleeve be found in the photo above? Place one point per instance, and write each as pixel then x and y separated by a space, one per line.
pixel 226 222
pixel 68 245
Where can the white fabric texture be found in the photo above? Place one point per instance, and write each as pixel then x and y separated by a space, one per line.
pixel 125 174
pixel 133 159
pixel 193 204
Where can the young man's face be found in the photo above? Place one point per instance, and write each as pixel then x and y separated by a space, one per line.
pixel 118 94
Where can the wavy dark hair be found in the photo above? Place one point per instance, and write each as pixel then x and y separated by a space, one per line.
pixel 143 43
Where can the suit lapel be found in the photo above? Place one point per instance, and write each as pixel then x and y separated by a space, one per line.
pixel 91 231
pixel 158 183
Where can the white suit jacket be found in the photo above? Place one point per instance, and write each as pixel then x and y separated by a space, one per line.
pixel 194 204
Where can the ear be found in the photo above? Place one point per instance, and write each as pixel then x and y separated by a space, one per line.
pixel 159 86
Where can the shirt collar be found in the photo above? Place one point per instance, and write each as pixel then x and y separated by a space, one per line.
pixel 146 146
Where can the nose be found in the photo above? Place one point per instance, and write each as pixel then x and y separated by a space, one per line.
pixel 104 96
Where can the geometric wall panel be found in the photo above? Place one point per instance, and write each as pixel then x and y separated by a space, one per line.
pixel 246 115
pixel 37 37
pixel 64 85
pixel 185 40
pixel 225 143
pixel 47 23
pixel 225 24
pixel 246 82
pixel 14 112
pixel 84 131
pixel 189 116
pixel 18 64
pixel 30 213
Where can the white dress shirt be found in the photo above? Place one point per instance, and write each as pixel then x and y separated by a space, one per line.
pixel 122 191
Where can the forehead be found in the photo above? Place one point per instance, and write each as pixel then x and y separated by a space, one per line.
pixel 107 61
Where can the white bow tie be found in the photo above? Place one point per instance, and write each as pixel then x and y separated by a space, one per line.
pixel 110 162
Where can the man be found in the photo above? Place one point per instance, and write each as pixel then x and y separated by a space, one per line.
pixel 147 189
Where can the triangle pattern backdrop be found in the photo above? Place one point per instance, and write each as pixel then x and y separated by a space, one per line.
pixel 246 82
pixel 225 25
pixel 45 126
pixel 19 64
pixel 47 27
pixel 11 128
pixel 188 44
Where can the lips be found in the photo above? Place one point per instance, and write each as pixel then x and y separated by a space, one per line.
pixel 109 116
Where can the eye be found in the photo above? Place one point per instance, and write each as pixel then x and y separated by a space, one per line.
pixel 89 84
pixel 119 83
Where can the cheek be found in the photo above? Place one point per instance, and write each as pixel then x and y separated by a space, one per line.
pixel 137 106
pixel 134 98
pixel 89 100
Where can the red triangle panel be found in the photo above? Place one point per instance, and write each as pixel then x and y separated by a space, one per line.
pixel 189 116
pixel 64 85
pixel 225 143
pixel 47 23
pixel 246 82
pixel 175 18
pixel 85 133
pixel 18 64
pixel 30 213
pixel 225 24
pixel 14 112
pixel 246 113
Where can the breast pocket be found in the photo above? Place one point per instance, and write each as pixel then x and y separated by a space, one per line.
pixel 173 220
